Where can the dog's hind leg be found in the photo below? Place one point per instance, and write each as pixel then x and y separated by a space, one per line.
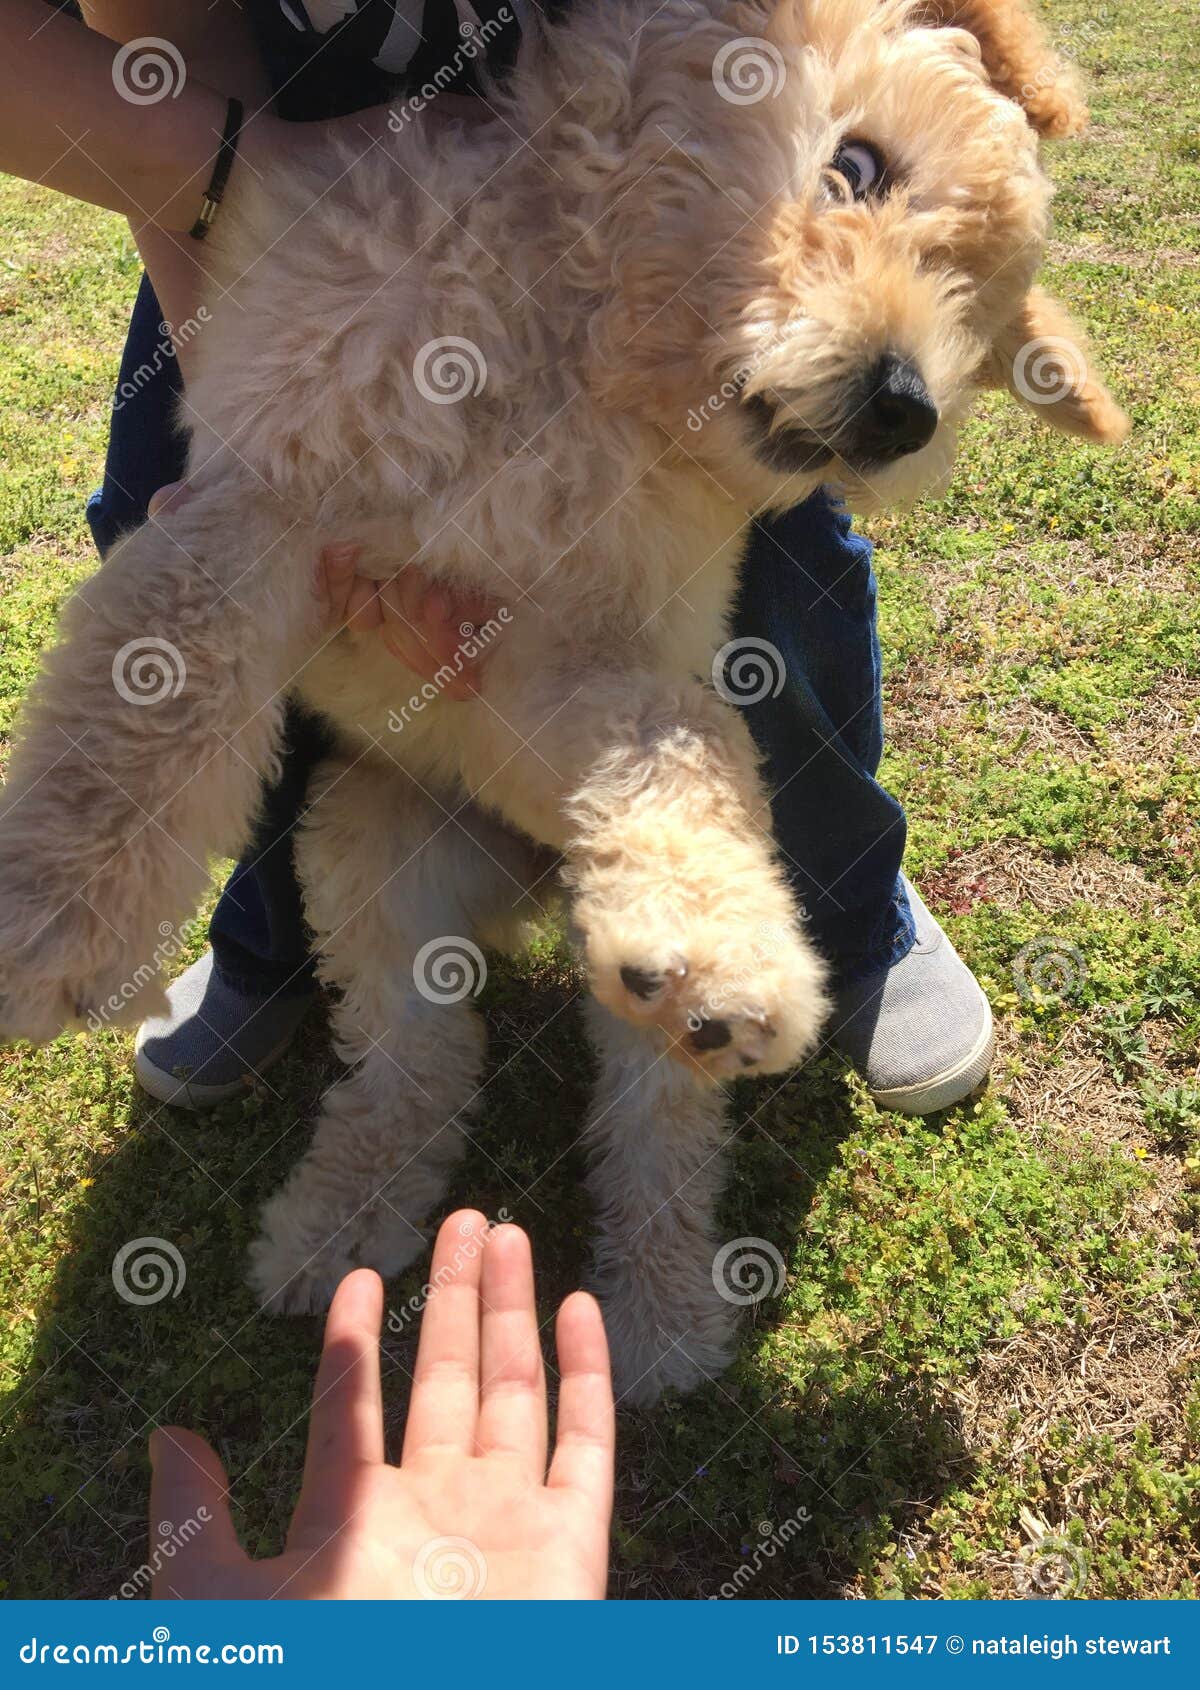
pixel 142 748
pixel 656 1139
pixel 396 887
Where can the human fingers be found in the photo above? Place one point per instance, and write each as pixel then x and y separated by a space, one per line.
pixel 363 611
pixel 346 1423
pixel 334 580
pixel 345 1427
pixel 166 497
pixel 585 1436
pixel 444 624
pixel 448 623
pixel 445 1395
pixel 416 630
pixel 512 1389
pixel 399 603
pixel 192 1540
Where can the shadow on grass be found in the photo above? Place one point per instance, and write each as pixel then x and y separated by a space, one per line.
pixel 787 1476
pixel 705 1483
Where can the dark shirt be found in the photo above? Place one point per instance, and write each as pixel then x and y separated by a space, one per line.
pixel 328 57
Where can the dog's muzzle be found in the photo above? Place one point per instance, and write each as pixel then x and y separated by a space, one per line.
pixel 895 417
pixel 892 416
pixel 790 449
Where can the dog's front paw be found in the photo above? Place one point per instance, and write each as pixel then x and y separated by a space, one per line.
pixel 732 999
pixel 661 1343
pixel 62 964
pixel 286 1283
pixel 33 1009
pixel 307 1247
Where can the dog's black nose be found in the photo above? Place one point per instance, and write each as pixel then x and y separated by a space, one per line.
pixel 897 415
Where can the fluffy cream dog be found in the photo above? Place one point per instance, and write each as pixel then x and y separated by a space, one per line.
pixel 814 228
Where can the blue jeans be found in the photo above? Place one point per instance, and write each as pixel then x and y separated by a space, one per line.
pixel 807 588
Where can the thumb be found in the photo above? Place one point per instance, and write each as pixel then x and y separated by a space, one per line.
pixel 192 1539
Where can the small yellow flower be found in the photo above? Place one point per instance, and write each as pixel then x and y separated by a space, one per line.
pixel 1139 1152
pixel 84 1183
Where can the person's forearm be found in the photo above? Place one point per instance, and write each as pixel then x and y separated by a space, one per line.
pixel 216 45
pixel 66 120
pixel 214 38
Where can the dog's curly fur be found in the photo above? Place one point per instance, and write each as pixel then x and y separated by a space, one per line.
pixel 1019 61
pixel 620 242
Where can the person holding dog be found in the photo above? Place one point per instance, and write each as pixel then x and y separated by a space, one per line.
pixel 907 1011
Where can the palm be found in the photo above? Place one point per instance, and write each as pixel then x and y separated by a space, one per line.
pixel 470 1512
pixel 449 1529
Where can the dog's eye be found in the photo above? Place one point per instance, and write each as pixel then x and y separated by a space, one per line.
pixel 862 167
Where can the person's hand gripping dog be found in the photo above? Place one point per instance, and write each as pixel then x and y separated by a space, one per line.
pixel 423 625
pixel 472 1509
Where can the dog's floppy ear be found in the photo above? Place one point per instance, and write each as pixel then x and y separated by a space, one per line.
pixel 1041 358
pixel 1018 59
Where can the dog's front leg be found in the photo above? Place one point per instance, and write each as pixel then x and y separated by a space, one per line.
pixel 141 751
pixel 656 1142
pixel 650 789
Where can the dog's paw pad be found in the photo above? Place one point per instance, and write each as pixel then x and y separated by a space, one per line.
pixel 710 1035
pixel 745 1038
pixel 725 1008
pixel 723 1039
pixel 650 985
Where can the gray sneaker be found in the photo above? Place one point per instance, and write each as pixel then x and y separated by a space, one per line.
pixel 920 1033
pixel 212 1043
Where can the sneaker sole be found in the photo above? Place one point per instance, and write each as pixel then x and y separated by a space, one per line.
pixel 949 1087
pixel 187 1094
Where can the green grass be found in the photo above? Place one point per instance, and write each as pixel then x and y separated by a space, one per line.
pixel 981 1368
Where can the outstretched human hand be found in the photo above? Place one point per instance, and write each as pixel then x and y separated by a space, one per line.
pixel 471 1509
